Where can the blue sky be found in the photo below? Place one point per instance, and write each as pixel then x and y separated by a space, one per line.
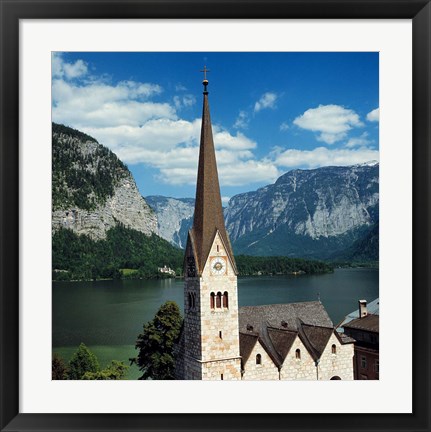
pixel 271 112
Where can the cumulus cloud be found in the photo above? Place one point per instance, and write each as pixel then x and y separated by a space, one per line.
pixel 61 68
pixel 124 117
pixel 102 105
pixel 331 122
pixel 359 141
pixel 184 101
pixel 241 121
pixel 374 115
pixel 322 156
pixel 267 100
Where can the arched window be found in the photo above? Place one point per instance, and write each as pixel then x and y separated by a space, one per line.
pixel 334 349
pixel 225 300
pixel 192 300
pixel 218 300
pixel 258 359
pixel 335 378
pixel 298 354
pixel 212 295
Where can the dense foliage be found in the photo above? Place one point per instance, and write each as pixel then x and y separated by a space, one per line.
pixel 84 173
pixel 78 257
pixel 115 371
pixel 81 362
pixel 253 265
pixel 59 368
pixel 84 366
pixel 156 343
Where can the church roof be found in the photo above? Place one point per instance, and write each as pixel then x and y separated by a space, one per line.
pixel 208 216
pixel 277 326
pixel 284 316
pixel 246 345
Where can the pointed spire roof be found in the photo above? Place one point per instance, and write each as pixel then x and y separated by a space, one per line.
pixel 208 217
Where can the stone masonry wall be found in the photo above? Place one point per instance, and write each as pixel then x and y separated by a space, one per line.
pixel 339 364
pixel 212 334
pixel 264 371
pixel 298 369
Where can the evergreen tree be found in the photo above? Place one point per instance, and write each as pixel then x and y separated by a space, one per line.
pixel 115 371
pixel 59 368
pixel 81 362
pixel 156 343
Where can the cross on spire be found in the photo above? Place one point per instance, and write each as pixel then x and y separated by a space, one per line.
pixel 205 70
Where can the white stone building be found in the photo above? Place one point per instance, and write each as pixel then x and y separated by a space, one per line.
pixel 221 341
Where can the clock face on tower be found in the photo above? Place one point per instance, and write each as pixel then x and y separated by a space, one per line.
pixel 218 266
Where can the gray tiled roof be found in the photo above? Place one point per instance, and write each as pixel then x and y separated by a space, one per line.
pixel 246 345
pixel 277 326
pixel 368 323
pixel 284 316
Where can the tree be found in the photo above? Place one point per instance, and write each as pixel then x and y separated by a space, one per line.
pixel 156 343
pixel 59 368
pixel 81 362
pixel 115 371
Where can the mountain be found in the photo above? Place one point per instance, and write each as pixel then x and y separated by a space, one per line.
pixel 324 213
pixel 308 213
pixel 92 190
pixel 175 217
pixel 365 248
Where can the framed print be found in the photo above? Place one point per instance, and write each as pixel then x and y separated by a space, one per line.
pixel 343 88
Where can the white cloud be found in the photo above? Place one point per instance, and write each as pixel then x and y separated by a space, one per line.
pixel 322 156
pixel 284 126
pixel 223 139
pixel 123 117
pixel 225 200
pixel 61 68
pixel 359 141
pixel 184 101
pixel 102 105
pixel 179 87
pixel 267 100
pixel 332 122
pixel 374 115
pixel 242 121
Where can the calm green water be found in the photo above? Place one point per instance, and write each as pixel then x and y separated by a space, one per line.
pixel 108 315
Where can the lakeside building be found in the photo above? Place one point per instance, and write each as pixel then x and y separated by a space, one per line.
pixel 219 340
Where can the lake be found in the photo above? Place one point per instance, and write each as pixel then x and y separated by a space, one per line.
pixel 108 315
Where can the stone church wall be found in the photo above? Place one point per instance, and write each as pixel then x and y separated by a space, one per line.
pixel 230 369
pixel 298 369
pixel 264 371
pixel 339 364
pixel 211 341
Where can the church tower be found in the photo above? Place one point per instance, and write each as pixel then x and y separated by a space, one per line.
pixel 211 333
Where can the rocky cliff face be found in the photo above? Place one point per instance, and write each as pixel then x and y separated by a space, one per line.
pixel 307 213
pixel 93 190
pixel 175 217
pixel 306 210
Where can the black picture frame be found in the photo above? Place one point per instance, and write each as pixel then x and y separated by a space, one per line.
pixel 12 11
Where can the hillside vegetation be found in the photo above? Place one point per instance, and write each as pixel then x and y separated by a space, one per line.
pixel 78 257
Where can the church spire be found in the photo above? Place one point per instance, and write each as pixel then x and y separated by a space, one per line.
pixel 208 217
